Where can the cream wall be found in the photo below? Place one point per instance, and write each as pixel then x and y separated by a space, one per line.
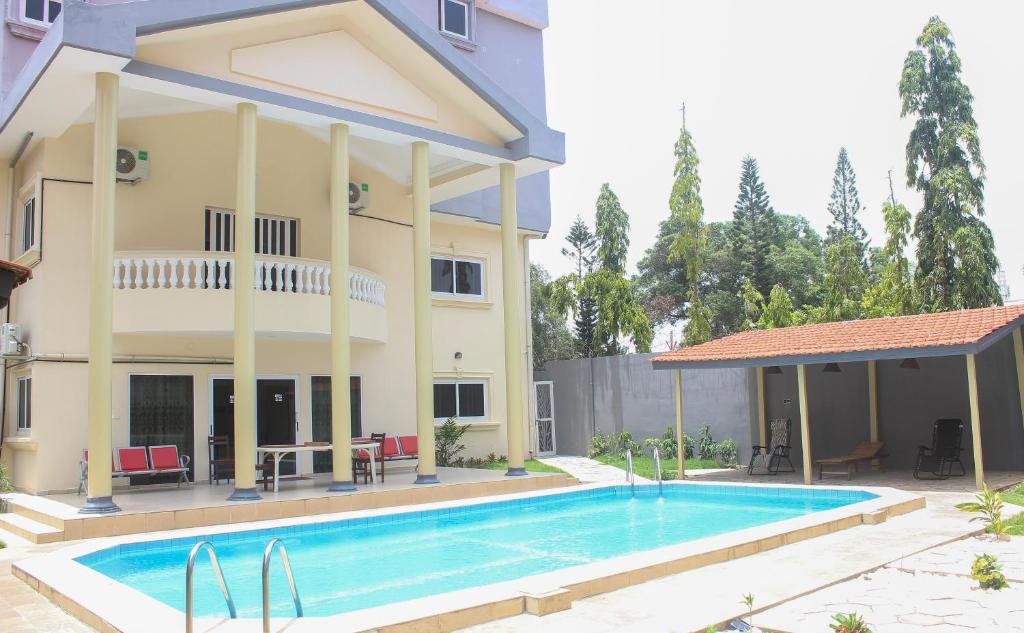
pixel 193 166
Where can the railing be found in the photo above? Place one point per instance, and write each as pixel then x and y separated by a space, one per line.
pixel 267 553
pixel 216 271
pixel 220 580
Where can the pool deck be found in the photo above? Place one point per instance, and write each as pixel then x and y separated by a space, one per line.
pixel 54 518
pixel 110 606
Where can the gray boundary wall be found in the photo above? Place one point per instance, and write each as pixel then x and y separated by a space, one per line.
pixel 624 393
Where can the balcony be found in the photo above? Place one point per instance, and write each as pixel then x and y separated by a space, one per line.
pixel 189 293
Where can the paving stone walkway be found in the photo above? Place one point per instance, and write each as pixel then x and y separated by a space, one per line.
pixel 588 470
pixel 930 592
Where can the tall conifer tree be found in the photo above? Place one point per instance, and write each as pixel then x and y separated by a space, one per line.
pixel 753 229
pixel 845 206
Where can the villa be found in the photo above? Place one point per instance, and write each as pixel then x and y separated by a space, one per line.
pixel 387 161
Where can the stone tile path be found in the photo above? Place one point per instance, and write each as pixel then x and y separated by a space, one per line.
pixel 588 470
pixel 23 610
pixel 908 597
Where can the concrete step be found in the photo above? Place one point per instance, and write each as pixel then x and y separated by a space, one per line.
pixel 41 509
pixel 30 529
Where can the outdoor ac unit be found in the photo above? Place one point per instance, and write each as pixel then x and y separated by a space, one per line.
pixel 132 164
pixel 358 196
pixel 10 339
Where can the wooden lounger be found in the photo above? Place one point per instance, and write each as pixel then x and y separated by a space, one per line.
pixel 863 452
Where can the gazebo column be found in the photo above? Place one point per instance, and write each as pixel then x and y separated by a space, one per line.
pixel 245 306
pixel 99 499
pixel 1018 353
pixel 873 404
pixel 805 424
pixel 680 446
pixel 762 430
pixel 972 390
pixel 341 404
pixel 426 469
pixel 511 289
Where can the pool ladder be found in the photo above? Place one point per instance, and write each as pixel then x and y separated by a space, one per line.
pixel 657 467
pixel 220 580
pixel 629 471
pixel 267 553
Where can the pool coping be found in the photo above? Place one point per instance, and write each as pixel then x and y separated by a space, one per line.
pixel 110 606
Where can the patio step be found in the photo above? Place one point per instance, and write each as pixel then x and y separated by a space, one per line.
pixel 30 529
pixel 39 509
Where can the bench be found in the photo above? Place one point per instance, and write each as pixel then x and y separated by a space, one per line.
pixel 140 461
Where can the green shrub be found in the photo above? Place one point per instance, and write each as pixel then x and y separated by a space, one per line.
pixel 687 446
pixel 989 504
pixel 705 443
pixel 6 485
pixel 725 452
pixel 988 572
pixel 848 623
pixel 447 446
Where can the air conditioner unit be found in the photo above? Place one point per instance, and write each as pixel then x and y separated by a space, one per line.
pixel 10 339
pixel 358 196
pixel 132 164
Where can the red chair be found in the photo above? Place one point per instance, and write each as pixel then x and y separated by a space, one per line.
pixel 166 461
pixel 133 460
pixel 83 470
pixel 361 460
pixel 410 446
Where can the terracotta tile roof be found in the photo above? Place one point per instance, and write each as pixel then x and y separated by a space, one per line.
pixel 831 341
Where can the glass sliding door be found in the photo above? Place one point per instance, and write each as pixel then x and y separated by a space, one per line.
pixel 161 412
pixel 321 399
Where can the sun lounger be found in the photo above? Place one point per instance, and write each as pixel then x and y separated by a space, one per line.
pixel 863 452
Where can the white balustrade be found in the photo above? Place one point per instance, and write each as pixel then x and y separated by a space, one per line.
pixel 215 272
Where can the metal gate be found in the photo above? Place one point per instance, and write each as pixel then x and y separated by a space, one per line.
pixel 544 403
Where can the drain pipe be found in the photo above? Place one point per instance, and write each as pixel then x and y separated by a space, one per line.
pixel 62 357
pixel 8 229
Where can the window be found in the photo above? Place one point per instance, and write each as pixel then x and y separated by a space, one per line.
pixel 161 411
pixel 273 235
pixel 455 18
pixel 41 11
pixel 450 276
pixel 24 404
pixel 28 225
pixel 460 399
pixel 321 410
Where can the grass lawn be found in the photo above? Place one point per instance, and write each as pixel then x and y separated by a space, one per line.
pixel 532 466
pixel 1016 497
pixel 643 465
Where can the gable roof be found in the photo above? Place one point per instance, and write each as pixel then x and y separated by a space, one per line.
pixel 922 335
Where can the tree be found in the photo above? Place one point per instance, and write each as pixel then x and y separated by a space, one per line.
pixel 551 337
pixel 754 228
pixel 582 246
pixel 892 293
pixel 618 313
pixel 845 206
pixel 778 311
pixel 956 262
pixel 687 210
pixel 612 231
pixel 845 281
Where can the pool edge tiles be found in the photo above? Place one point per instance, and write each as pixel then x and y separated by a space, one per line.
pixel 121 608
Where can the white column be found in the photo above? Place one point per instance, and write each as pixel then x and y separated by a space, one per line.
pixel 805 423
pixel 511 301
pixel 972 391
pixel 426 469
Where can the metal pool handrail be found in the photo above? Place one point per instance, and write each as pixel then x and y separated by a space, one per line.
pixel 657 466
pixel 266 581
pixel 220 580
pixel 629 470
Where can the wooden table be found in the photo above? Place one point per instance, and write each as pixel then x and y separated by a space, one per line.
pixel 278 451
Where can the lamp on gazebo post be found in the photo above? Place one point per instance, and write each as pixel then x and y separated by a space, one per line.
pixel 831 368
pixel 910 363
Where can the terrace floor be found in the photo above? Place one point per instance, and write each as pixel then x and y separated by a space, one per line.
pixel 901 479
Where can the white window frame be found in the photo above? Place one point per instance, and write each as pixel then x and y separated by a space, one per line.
pixel 29 195
pixel 23 413
pixel 28 224
pixel 46 22
pixel 470 381
pixel 455 294
pixel 469 10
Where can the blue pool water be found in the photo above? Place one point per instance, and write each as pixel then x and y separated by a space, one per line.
pixel 354 564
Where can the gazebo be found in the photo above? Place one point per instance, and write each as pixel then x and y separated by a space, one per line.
pixel 882 379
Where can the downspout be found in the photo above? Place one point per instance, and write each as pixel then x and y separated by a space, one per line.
pixel 531 392
pixel 8 230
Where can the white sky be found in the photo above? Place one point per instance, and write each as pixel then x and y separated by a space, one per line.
pixel 787 82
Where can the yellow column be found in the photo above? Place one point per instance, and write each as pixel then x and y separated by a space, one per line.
pixel 762 429
pixel 805 424
pixel 1018 352
pixel 245 306
pixel 101 295
pixel 681 448
pixel 972 390
pixel 341 406
pixel 426 470
pixel 511 300
pixel 873 404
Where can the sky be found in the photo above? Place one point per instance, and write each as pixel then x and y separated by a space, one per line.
pixel 788 82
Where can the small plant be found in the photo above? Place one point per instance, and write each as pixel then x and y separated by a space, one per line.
pixel 848 623
pixel 6 485
pixel 447 438
pixel 705 443
pixel 711 629
pixel 748 602
pixel 600 444
pixel 687 446
pixel 989 504
pixel 988 572
pixel 726 452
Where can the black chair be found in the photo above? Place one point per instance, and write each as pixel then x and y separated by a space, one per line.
pixel 222 460
pixel 361 462
pixel 938 459
pixel 777 450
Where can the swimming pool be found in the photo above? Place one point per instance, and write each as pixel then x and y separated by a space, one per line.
pixel 347 565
